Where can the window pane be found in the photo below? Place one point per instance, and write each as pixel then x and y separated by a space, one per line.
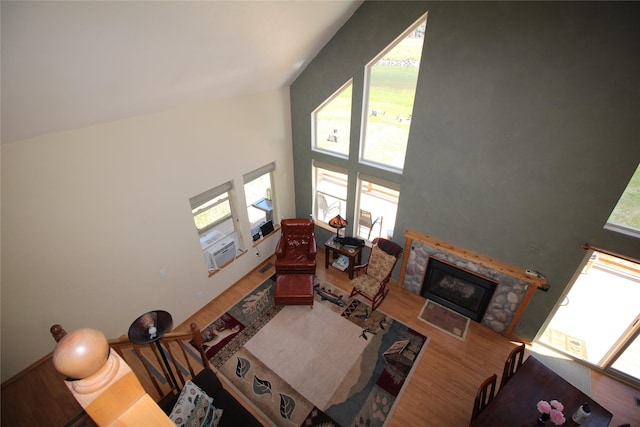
pixel 212 212
pixel 332 122
pixel 626 215
pixel 629 361
pixel 389 105
pixel 377 209
pixel 259 199
pixel 330 189
pixel 607 284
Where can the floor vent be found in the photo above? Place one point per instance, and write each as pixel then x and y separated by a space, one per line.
pixel 265 267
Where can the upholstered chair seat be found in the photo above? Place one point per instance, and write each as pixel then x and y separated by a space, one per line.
pixel 372 277
pixel 296 249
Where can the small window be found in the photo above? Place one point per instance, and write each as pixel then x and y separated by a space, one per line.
pixel 258 191
pixel 330 191
pixel 390 89
pixel 331 123
pixel 213 216
pixel 212 211
pixel 376 208
pixel 625 217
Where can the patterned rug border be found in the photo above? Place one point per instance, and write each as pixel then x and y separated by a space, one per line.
pixel 407 353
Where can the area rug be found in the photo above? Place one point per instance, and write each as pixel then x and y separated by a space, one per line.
pixel 445 319
pixel 336 364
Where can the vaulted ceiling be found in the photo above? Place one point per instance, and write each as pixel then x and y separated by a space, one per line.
pixel 71 64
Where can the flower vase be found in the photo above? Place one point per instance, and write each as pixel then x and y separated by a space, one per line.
pixel 543 419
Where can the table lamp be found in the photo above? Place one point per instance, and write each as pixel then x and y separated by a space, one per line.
pixel 337 222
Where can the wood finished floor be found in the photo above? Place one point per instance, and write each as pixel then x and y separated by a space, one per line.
pixel 443 386
pixel 440 392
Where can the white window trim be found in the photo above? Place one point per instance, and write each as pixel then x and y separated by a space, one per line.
pixel 329 167
pixel 314 121
pixel 255 174
pixel 617 228
pixel 365 97
pixel 202 198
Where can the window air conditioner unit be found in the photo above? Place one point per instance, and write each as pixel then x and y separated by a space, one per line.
pixel 220 253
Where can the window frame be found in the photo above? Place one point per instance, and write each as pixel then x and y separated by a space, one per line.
pixel 625 229
pixel 366 92
pixel 393 186
pixel 199 201
pixel 248 178
pixel 342 210
pixel 314 122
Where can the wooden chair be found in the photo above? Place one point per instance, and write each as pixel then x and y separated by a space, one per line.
pixel 484 395
pixel 372 278
pixel 512 364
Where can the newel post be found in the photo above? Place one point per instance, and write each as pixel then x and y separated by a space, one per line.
pixel 102 382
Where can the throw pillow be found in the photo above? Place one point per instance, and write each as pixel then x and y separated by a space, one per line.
pixel 190 395
pixel 202 414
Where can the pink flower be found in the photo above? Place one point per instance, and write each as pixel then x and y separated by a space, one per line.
pixel 557 417
pixel 557 405
pixel 554 408
pixel 543 407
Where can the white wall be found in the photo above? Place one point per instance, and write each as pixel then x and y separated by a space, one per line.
pixel 91 216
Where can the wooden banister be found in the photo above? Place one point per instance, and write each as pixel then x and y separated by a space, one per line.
pixel 104 385
pixel 122 349
pixel 57 332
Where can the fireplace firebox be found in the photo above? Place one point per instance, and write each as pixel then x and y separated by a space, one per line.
pixel 462 291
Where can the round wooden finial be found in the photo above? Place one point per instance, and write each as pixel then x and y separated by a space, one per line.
pixel 81 353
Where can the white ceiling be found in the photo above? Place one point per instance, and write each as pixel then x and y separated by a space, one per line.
pixel 71 64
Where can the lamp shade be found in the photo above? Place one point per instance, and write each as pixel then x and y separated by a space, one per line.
pixel 338 222
pixel 150 327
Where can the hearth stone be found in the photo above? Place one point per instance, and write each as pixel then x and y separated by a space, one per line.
pixel 507 296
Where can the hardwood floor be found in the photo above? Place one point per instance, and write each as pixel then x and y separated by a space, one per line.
pixel 440 392
pixel 443 386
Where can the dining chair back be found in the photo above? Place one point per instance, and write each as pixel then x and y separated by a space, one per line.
pixel 513 362
pixel 484 395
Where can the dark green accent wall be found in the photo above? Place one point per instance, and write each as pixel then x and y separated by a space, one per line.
pixel 525 128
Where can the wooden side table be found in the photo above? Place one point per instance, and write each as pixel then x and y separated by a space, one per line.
pixel 333 249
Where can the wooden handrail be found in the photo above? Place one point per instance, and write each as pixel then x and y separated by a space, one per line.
pixel 168 343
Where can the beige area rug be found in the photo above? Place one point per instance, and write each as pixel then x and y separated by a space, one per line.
pixel 329 348
pixel 445 319
pixel 330 365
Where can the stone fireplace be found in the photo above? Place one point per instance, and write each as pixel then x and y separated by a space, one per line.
pixel 503 289
pixel 462 291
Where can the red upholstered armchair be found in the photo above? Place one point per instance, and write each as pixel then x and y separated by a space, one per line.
pixel 296 250
pixel 372 277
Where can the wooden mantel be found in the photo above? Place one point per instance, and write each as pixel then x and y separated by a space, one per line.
pixel 533 282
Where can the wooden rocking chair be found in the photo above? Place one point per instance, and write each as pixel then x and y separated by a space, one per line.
pixel 372 278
